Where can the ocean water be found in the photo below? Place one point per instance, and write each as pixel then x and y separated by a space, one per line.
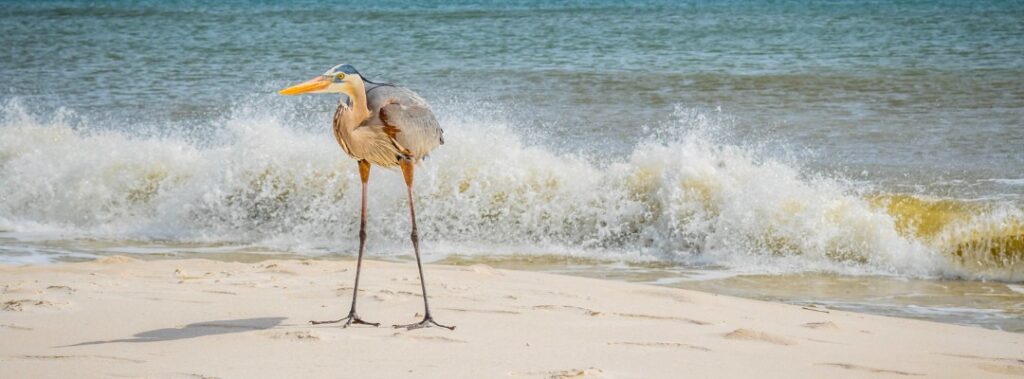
pixel 856 155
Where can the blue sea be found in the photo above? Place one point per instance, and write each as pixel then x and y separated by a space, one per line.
pixel 857 155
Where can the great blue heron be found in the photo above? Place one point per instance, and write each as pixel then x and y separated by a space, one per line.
pixel 384 125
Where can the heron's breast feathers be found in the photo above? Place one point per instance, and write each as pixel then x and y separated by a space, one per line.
pixel 338 126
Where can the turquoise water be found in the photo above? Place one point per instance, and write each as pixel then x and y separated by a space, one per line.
pixel 892 88
pixel 737 139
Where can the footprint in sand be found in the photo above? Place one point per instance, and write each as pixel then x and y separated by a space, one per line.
pixel 661 344
pixel 273 268
pixel 387 294
pixel 63 357
pixel 825 325
pixel 456 287
pixel 572 308
pixel 219 292
pixel 1002 369
pixel 293 335
pixel 1015 361
pixel 15 327
pixel 590 372
pixel 1008 366
pixel 343 290
pixel 182 276
pixel 186 301
pixel 21 305
pixel 666 318
pixel 427 338
pixel 664 293
pixel 398 293
pixel 873 370
pixel 197 376
pixel 754 335
pixel 497 311
pixel 545 293
pixel 61 289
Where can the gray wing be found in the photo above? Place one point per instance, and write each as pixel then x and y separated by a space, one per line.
pixel 406 117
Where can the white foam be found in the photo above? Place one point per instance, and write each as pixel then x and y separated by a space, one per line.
pixel 684 198
pixel 1009 182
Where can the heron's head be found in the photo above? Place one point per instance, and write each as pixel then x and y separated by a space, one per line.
pixel 342 78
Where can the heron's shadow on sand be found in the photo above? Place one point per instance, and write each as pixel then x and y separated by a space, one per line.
pixel 199 329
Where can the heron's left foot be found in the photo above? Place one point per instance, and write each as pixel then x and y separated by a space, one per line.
pixel 351 319
pixel 426 323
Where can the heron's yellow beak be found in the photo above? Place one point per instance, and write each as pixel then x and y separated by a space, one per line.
pixel 315 84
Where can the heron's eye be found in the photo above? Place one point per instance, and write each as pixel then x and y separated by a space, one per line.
pixel 341 76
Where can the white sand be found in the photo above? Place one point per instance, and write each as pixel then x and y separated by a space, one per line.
pixel 197 318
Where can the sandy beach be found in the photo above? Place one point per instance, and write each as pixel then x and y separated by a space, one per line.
pixel 121 317
pixel 599 188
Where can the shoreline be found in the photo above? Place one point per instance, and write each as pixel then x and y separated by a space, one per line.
pixel 944 300
pixel 205 318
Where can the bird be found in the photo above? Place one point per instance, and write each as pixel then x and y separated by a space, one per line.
pixel 384 125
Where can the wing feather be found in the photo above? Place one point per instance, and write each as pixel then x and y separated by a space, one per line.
pixel 407 119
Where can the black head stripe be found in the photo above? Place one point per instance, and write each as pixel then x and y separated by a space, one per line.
pixel 348 69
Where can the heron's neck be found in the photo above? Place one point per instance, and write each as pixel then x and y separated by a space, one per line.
pixel 356 91
pixel 350 114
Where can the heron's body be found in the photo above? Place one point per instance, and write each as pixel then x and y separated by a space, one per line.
pixel 383 125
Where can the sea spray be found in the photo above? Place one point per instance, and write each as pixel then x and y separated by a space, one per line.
pixel 682 196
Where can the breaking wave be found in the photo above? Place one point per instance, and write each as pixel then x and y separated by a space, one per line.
pixel 684 196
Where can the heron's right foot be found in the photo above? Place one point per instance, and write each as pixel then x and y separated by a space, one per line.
pixel 351 319
pixel 426 323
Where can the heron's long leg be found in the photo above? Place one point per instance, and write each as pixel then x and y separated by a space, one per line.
pixel 428 320
pixel 353 317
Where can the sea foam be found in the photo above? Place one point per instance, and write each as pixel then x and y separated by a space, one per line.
pixel 683 197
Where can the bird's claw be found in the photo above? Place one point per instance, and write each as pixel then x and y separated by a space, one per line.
pixel 351 319
pixel 426 323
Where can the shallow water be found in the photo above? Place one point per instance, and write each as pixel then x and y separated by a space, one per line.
pixel 857 155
